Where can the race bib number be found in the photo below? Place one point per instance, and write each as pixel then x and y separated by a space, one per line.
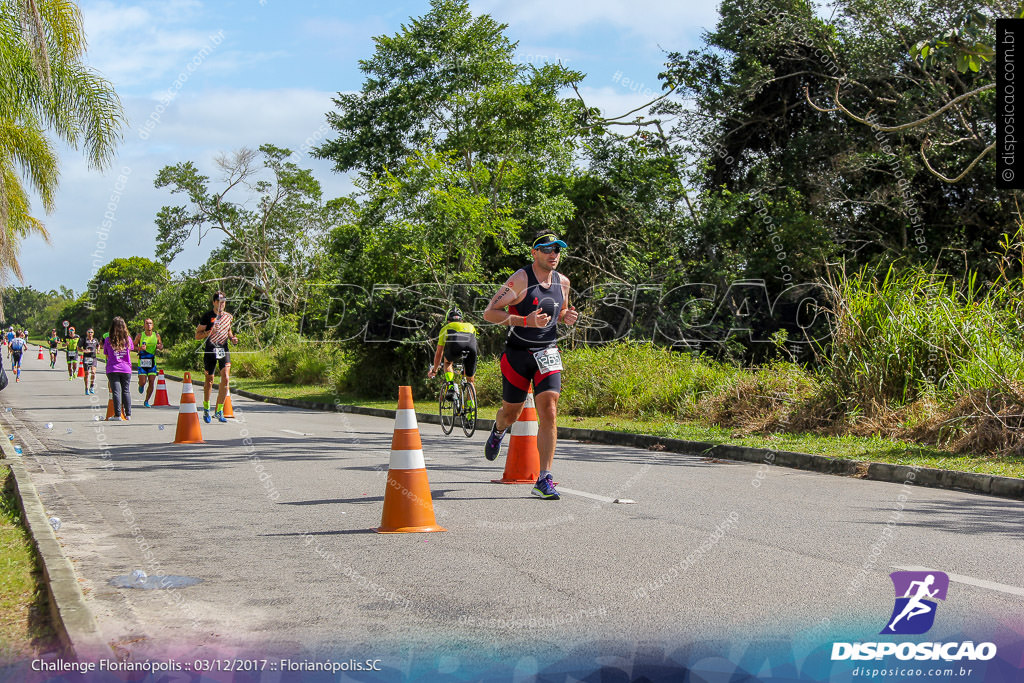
pixel 88 361
pixel 548 360
pixel 218 352
pixel 146 363
pixel 72 355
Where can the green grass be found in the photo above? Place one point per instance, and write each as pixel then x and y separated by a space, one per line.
pixel 25 629
pixel 684 381
pixel 875 449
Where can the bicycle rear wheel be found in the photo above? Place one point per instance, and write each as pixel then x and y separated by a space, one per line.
pixel 446 408
pixel 468 414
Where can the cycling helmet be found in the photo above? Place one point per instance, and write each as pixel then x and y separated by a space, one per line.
pixel 454 315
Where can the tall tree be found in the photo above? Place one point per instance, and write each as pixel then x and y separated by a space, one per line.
pixel 124 287
pixel 445 91
pixel 783 175
pixel 267 223
pixel 45 87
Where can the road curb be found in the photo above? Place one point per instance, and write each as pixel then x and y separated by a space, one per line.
pixel 971 482
pixel 73 621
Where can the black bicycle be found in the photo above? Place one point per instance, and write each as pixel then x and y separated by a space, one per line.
pixel 458 400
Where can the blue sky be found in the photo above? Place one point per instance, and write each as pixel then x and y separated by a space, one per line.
pixel 265 71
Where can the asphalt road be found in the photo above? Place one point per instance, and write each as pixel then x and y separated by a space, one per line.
pixel 717 552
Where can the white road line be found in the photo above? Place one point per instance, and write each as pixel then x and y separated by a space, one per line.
pixel 292 431
pixel 594 496
pixel 971 581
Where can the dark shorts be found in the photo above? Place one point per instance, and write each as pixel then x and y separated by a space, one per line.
pixel 519 370
pixel 72 356
pixel 16 355
pixel 453 351
pixel 151 370
pixel 212 364
pixel 89 362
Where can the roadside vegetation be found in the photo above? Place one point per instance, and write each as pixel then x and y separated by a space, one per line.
pixel 750 255
pixel 25 630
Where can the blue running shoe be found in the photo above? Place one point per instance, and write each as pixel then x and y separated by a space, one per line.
pixel 493 445
pixel 206 417
pixel 142 387
pixel 145 404
pixel 545 488
pixel 220 416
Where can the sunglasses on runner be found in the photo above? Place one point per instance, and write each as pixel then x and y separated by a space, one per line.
pixel 550 249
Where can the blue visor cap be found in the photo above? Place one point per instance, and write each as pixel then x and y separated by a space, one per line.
pixel 547 240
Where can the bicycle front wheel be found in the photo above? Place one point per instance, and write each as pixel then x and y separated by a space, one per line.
pixel 469 409
pixel 446 408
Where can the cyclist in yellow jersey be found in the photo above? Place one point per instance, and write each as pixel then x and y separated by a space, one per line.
pixel 456 337
pixel 148 343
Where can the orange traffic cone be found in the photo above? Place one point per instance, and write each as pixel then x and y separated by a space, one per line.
pixel 110 402
pixel 522 464
pixel 188 415
pixel 40 353
pixel 228 410
pixel 161 391
pixel 408 507
pixel 81 370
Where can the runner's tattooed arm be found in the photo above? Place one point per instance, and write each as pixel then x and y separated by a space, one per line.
pixel 510 293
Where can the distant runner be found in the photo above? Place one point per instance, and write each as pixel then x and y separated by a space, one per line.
pixel 71 351
pixel 17 349
pixel 531 302
pixel 215 328
pixel 89 346
pixel 54 342
pixel 148 343
pixel 9 338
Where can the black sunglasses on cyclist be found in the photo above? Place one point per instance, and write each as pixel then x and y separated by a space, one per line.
pixel 550 249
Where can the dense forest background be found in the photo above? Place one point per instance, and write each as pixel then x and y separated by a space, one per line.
pixel 808 187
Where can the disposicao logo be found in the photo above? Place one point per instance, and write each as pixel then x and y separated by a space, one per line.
pixel 914 614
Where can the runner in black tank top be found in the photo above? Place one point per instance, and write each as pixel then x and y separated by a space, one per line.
pixel 550 300
pixel 532 303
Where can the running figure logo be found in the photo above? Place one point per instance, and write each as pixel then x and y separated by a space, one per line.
pixel 914 613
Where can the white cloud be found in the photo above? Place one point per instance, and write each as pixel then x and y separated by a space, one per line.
pixel 197 127
pixel 143 43
pixel 656 21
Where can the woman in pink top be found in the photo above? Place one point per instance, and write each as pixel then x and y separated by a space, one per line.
pixel 118 347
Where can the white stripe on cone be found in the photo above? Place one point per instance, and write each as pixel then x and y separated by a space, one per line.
pixel 406 419
pixel 407 460
pixel 530 428
pixel 523 427
pixel 188 407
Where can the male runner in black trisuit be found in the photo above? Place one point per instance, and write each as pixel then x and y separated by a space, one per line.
pixel 530 303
